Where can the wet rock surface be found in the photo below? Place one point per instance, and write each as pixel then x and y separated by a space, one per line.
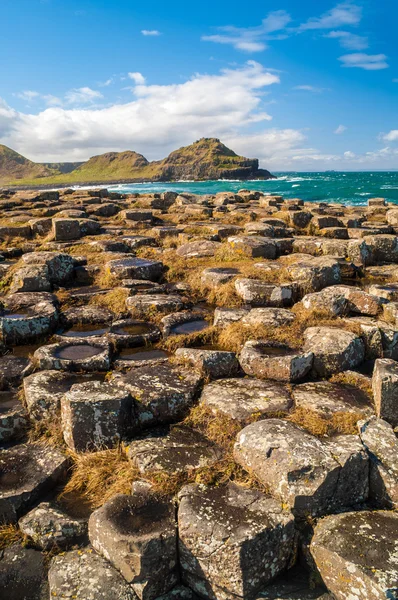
pixel 213 379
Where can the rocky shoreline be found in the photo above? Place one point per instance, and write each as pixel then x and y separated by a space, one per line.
pixel 198 397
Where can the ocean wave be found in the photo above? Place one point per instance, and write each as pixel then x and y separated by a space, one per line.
pixel 296 185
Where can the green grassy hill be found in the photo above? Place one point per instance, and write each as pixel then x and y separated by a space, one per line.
pixel 208 158
pixel 15 167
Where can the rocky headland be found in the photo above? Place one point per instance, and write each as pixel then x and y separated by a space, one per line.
pixel 206 159
pixel 199 397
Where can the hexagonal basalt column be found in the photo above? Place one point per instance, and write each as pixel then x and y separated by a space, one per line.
pixel 79 355
pixel 96 415
pixel 232 541
pixel 26 472
pixel 27 317
pixel 138 535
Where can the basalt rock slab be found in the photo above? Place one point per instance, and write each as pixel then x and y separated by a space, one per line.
pixel 27 317
pixel 356 554
pixel 77 355
pixel 13 416
pixel 380 441
pixel 138 535
pixel 135 268
pixel 12 370
pixel 130 333
pixel 43 392
pixel 96 415
pixel 161 396
pixel 23 574
pixel 258 293
pixel 148 303
pixel 253 246
pixel 312 476
pixel 270 317
pixel 179 450
pixel 270 360
pixel 241 399
pixel 385 390
pixel 334 350
pixel 232 541
pixel 49 527
pixel 215 364
pixel 83 574
pixel 198 249
pixel 27 472
pixel 327 399
pixel 59 265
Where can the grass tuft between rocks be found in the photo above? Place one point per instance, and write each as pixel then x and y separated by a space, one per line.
pixel 339 423
pixel 9 535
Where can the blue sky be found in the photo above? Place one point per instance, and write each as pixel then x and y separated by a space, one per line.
pixel 307 85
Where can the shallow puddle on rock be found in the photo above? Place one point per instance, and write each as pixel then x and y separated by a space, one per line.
pixel 8 402
pixel 80 352
pixel 191 327
pixel 140 354
pixel 133 329
pixel 82 331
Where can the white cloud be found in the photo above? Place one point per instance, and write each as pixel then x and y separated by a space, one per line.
pixel 395 80
pixel 153 32
pixel 309 88
pixel 349 40
pixel 158 120
pixel 83 95
pixel 138 78
pixel 251 39
pixel 340 129
pixel 348 155
pixel 27 95
pixel 106 83
pixel 391 136
pixel 369 62
pixel 345 13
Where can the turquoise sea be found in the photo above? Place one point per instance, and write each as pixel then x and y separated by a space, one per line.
pixel 347 188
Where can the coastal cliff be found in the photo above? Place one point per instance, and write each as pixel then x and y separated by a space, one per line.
pixel 206 159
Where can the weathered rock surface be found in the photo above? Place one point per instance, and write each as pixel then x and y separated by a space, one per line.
pixel 23 574
pixel 26 473
pixel 232 541
pixel 96 415
pixel 241 399
pixel 180 450
pixel 83 574
pixel 334 350
pixel 380 441
pixel 385 390
pixel 268 360
pixel 163 396
pixel 356 554
pixel 312 476
pixel 138 535
pixel 49 527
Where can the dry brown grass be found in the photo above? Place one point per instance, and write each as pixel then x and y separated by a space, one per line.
pixel 114 300
pixel 208 336
pixel 9 535
pixel 315 423
pixel 354 379
pixel 235 335
pixel 97 476
pixel 47 432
